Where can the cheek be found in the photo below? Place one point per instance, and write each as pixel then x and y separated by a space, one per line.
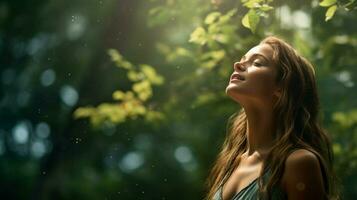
pixel 262 78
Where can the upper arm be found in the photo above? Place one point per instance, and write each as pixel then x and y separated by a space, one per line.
pixel 302 178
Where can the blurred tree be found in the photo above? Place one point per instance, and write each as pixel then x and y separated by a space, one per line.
pixel 162 123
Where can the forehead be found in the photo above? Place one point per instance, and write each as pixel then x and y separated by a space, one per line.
pixel 264 49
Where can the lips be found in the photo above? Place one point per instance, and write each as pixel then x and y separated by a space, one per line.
pixel 237 76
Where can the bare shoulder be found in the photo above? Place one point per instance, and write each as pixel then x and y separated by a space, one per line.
pixel 302 177
pixel 302 158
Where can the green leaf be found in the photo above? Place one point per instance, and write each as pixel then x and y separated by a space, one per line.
pixel 330 12
pixel 245 21
pixel 252 3
pixel 151 74
pixel 231 13
pixel 134 76
pixel 327 3
pixel 118 95
pixel 251 20
pixel 114 55
pixel 143 90
pixel 83 112
pixel 212 17
pixel 227 16
pixel 266 7
pixel 198 36
pixel 218 55
pixel 119 60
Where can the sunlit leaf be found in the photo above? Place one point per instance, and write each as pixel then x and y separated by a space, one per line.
pixel 245 21
pixel 118 95
pixel 327 3
pixel 198 36
pixel 222 38
pixel 252 3
pixel 330 12
pixel 231 13
pixel 250 20
pixel 266 7
pixel 83 112
pixel 218 55
pixel 151 74
pixel 118 59
pixel 183 52
pixel 114 54
pixel 227 16
pixel 212 17
pixel 134 76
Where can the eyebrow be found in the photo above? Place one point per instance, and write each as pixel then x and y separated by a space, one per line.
pixel 255 55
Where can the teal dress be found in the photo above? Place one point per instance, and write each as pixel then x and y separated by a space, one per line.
pixel 250 192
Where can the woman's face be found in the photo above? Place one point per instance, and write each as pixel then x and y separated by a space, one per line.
pixel 254 77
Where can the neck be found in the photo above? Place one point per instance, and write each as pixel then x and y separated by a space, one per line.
pixel 260 129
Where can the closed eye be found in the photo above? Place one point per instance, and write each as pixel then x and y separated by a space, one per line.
pixel 257 64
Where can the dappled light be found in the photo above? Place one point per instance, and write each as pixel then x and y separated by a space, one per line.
pixel 124 99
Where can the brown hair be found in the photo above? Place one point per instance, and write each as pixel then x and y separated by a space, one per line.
pixel 296 112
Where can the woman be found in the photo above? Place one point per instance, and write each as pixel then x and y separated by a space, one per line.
pixel 275 148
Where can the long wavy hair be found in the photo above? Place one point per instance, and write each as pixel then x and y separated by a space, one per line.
pixel 297 125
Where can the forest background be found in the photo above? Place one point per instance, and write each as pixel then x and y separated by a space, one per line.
pixel 124 99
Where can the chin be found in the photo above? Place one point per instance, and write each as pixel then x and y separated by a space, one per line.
pixel 231 89
pixel 232 92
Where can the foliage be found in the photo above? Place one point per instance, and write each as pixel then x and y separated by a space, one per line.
pixel 131 103
pixel 157 126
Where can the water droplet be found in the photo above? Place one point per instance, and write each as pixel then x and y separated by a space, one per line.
pixel 78 140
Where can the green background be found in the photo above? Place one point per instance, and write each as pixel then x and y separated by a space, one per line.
pixel 124 99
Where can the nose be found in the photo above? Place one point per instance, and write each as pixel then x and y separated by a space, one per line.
pixel 238 66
